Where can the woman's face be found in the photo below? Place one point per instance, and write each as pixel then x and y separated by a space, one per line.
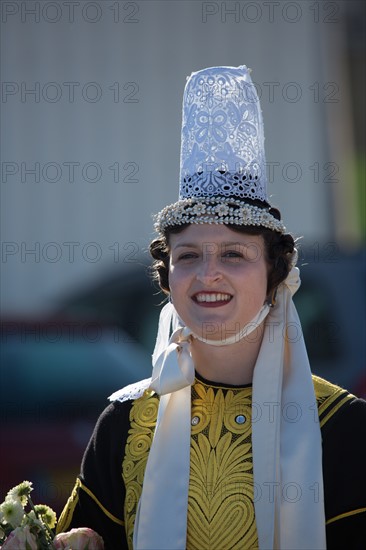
pixel 217 278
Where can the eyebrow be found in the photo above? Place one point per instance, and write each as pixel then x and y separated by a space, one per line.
pixel 190 245
pixel 195 245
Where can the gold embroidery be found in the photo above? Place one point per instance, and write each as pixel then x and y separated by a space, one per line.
pixel 221 493
pixel 106 512
pixel 68 511
pixel 330 398
pixel 220 501
pixel 142 424
pixel 347 515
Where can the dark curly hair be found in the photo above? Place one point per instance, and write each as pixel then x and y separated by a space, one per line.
pixel 279 250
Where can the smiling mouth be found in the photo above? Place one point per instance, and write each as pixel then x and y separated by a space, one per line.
pixel 214 298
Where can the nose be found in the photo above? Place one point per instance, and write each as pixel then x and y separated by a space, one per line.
pixel 209 271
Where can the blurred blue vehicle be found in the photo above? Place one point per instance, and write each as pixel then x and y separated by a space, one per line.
pixel 55 380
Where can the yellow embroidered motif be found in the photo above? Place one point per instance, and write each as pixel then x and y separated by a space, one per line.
pixel 220 501
pixel 330 398
pixel 221 494
pixel 142 419
pixel 68 511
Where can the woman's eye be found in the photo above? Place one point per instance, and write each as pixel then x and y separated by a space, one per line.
pixel 187 256
pixel 232 254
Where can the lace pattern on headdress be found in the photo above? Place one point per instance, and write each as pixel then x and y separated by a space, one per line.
pixel 222 137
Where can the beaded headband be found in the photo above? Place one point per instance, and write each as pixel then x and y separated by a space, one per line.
pixel 217 210
pixel 222 164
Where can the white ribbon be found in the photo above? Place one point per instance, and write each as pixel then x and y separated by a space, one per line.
pixel 286 438
pixel 248 329
pixel 286 453
pixel 161 519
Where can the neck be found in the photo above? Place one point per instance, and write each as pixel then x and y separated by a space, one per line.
pixel 232 364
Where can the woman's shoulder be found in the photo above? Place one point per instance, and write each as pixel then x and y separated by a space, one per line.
pixel 336 403
pixel 111 429
pixel 324 389
pixel 117 413
pixel 130 392
pixel 342 418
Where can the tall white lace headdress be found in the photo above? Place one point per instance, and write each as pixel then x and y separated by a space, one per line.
pixel 223 181
pixel 222 162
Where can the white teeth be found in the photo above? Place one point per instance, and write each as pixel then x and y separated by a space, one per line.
pixel 213 297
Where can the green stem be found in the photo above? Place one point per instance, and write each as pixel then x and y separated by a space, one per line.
pixel 48 543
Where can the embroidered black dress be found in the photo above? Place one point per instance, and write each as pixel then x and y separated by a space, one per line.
pixel 221 493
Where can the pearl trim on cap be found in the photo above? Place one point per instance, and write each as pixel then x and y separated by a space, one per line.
pixel 216 210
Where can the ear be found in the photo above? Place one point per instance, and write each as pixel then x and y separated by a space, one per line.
pixel 271 298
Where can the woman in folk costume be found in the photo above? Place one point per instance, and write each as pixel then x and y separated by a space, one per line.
pixel 232 444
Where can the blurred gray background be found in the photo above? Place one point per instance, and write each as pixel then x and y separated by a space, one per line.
pixel 91 115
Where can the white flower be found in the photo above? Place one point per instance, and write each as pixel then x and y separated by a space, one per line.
pixel 20 492
pixel 222 209
pixel 199 209
pixel 246 213
pixel 12 512
pixel 32 520
pixel 46 514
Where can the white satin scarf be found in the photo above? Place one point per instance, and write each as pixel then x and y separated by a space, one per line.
pixel 286 439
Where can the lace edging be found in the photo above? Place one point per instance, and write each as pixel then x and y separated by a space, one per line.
pixel 130 392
